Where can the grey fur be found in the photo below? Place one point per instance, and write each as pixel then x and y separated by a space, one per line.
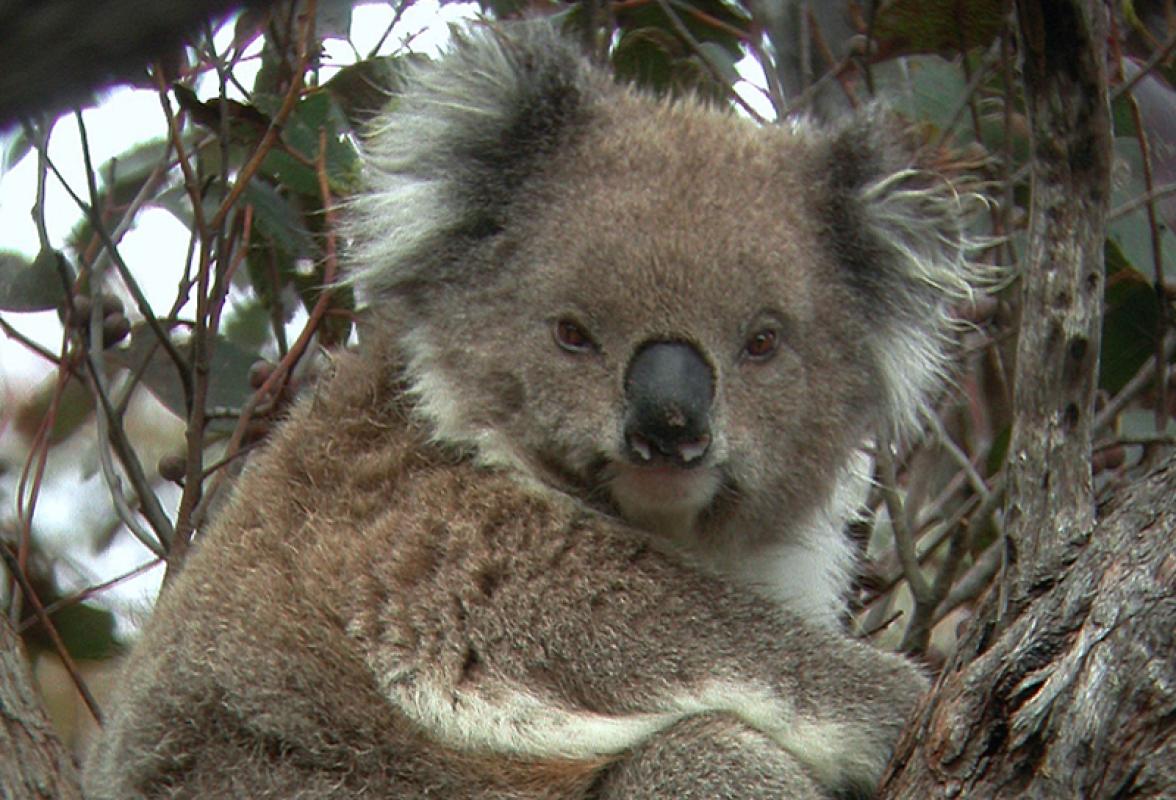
pixel 447 576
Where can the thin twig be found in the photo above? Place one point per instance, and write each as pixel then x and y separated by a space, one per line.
pixel 87 593
pixel 242 451
pixel 1135 386
pixel 401 7
pixel 774 91
pixel 191 499
pixel 29 344
pixel 14 566
pixel 918 632
pixel 1147 440
pixel 38 460
pixel 979 576
pixel 978 511
pixel 124 272
pixel 966 100
pixel 687 37
pixel 959 456
pixel 1145 69
pixel 1153 224
pixel 881 626
pixel 1145 199
pixel 269 138
pixel 813 34
pixel 904 541
pixel 973 583
pixel 285 367
pixel 110 429
pixel 805 98
pixel 106 436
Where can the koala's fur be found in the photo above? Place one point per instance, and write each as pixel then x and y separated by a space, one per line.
pixel 450 575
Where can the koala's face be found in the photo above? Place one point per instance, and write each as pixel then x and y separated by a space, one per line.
pixel 665 328
pixel 659 307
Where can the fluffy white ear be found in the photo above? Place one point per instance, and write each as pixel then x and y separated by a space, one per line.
pixel 445 160
pixel 899 226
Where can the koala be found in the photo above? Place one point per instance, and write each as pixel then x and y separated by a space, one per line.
pixel 568 523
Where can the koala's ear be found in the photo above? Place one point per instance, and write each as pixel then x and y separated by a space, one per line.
pixel 897 219
pixel 897 216
pixel 445 161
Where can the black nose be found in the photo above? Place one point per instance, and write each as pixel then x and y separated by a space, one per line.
pixel 668 392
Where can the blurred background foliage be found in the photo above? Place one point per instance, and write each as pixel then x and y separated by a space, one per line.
pixel 125 438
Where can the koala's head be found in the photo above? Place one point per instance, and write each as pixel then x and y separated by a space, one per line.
pixel 656 305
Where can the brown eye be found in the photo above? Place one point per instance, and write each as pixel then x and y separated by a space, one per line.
pixel 761 345
pixel 571 337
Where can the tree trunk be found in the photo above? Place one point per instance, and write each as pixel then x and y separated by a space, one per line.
pixel 1050 508
pixel 1076 697
pixel 1065 685
pixel 34 764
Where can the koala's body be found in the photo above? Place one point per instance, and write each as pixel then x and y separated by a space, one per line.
pixel 569 523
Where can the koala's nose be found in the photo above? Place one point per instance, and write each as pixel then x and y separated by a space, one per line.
pixel 668 392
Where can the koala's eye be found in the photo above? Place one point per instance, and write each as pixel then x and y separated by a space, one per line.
pixel 761 345
pixel 571 337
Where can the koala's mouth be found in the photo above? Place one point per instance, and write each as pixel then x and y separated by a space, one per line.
pixel 663 497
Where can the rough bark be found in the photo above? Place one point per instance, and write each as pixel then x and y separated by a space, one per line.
pixel 34 764
pixel 1050 509
pixel 1077 696
pixel 1065 685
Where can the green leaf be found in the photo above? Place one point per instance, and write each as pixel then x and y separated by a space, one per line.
pixel 1132 232
pixel 332 19
pixel 290 172
pixel 280 241
pixel 277 221
pixel 88 632
pixel 925 87
pixel 646 57
pixel 998 451
pixel 1124 120
pixel 229 374
pixel 245 123
pixel 315 113
pixel 177 202
pixel 719 58
pixel 929 89
pixel 652 52
pixel 16 148
pixel 660 61
pixel 706 20
pixel 365 88
pixel 904 27
pixel 123 177
pixel 228 371
pixel 1129 322
pixel 247 324
pixel 74 407
pixel 31 286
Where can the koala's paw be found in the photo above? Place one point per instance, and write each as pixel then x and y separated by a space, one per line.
pixel 851 755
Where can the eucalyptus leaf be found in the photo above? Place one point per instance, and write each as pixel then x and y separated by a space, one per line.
pixel 228 371
pixel 15 149
pixel 903 27
pixel 31 285
pixel 316 115
pixel 1130 322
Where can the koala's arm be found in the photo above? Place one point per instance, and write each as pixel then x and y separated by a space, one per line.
pixel 706 757
pixel 565 635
